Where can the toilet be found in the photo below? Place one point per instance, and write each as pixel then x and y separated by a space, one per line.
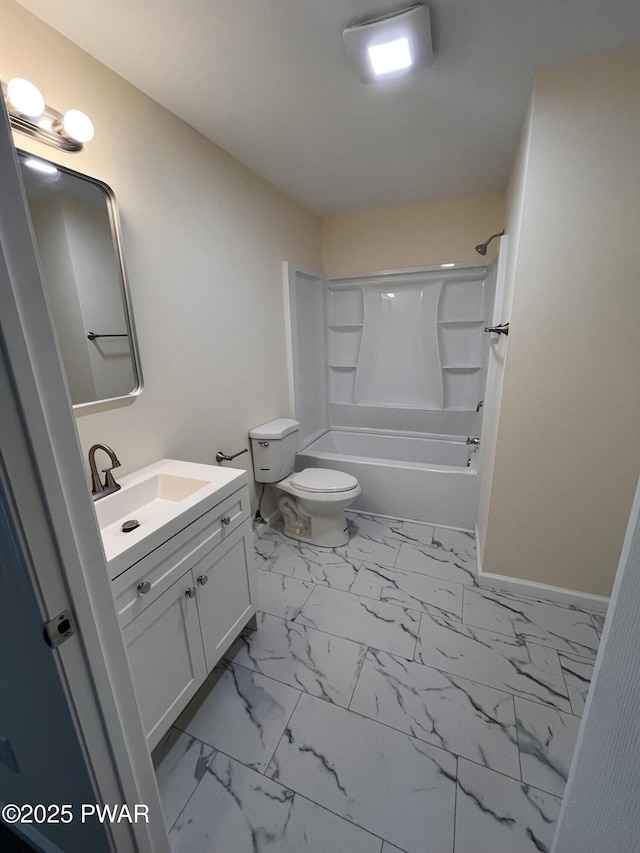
pixel 314 500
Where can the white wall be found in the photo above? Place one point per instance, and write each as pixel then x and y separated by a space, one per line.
pixel 566 459
pixel 204 240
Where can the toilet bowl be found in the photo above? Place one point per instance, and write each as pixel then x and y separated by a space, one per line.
pixel 313 501
pixel 316 513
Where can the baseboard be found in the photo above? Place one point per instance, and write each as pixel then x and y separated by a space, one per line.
pixel 352 511
pixel 518 586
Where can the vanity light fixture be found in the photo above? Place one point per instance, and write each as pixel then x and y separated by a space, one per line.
pixel 29 114
pixel 391 46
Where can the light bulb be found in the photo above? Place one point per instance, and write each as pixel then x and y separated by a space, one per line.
pixel 78 126
pixel 25 98
pixel 390 56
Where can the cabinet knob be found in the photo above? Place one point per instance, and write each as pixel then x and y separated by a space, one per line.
pixel 225 520
pixel 143 588
pixel 202 579
pixel 190 593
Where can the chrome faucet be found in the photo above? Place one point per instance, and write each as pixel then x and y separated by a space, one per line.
pixel 474 441
pixel 97 489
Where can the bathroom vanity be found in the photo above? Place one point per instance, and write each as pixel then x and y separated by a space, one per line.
pixel 183 581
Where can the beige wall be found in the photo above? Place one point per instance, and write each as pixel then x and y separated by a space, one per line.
pixel 416 235
pixel 567 455
pixel 204 240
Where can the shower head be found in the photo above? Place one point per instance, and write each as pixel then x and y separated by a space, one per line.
pixel 481 249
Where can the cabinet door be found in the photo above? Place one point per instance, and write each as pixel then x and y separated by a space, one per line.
pixel 164 646
pixel 226 600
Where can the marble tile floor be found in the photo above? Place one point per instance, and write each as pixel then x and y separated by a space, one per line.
pixel 386 704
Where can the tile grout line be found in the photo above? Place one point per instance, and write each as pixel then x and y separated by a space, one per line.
pixel 284 683
pixel 286 727
pixel 308 799
pixel 211 757
pixel 353 692
pixel 440 611
pixel 386 725
pixel 391 568
pixel 305 601
pixel 455 804
pixel 512 778
pixel 566 687
pixel 358 570
pixel 515 717
pixel 415 648
pixel 535 701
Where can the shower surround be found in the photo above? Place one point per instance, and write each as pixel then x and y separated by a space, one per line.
pixel 394 361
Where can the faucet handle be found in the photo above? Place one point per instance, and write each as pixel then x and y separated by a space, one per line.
pixel 109 482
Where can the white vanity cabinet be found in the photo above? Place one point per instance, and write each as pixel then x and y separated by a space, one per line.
pixel 166 657
pixel 183 604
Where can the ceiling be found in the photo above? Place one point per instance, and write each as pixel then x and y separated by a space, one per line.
pixel 269 81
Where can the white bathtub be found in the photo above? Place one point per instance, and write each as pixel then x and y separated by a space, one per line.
pixel 425 478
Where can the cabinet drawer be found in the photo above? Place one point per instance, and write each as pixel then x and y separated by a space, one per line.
pixel 163 566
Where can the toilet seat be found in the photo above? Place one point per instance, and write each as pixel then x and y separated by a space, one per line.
pixel 323 480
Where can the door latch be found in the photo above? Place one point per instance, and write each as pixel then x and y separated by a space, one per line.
pixel 59 629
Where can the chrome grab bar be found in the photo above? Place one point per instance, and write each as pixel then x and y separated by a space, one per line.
pixel 502 329
pixel 222 457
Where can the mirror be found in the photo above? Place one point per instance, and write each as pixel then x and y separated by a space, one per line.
pixel 75 221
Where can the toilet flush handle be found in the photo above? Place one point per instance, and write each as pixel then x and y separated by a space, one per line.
pixel 263 443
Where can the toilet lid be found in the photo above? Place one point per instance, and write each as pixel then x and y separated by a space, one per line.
pixel 323 480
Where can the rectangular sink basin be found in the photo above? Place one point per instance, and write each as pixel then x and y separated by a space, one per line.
pixel 163 498
pixel 144 500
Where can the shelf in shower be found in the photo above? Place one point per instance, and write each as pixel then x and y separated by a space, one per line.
pixel 345 326
pixel 462 367
pixel 342 366
pixel 463 321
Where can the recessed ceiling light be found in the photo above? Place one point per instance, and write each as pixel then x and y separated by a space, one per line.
pixel 390 56
pixel 392 46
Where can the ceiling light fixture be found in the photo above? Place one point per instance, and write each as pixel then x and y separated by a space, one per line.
pixel 392 46
pixel 29 114
pixel 390 56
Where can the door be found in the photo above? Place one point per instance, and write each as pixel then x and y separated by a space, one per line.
pixel 41 760
pixel 69 725
pixel 226 597
pixel 165 653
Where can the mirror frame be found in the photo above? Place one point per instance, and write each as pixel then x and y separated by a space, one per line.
pixel 116 236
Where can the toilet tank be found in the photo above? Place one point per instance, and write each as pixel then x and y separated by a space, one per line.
pixel 274 447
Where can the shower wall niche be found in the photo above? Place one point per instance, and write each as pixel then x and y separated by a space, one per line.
pixel 408 351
